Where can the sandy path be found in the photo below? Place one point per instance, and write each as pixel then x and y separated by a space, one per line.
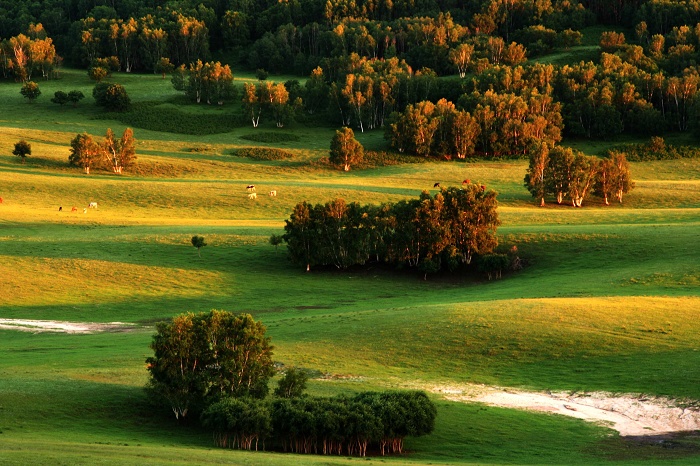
pixel 632 415
pixel 61 326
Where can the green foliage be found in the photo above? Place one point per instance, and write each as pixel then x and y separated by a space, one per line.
pixel 655 149
pixel 112 97
pixel 22 149
pixel 199 358
pixel 276 240
pixel 493 265
pixel 431 233
pixel 85 152
pixel 238 423
pixel 30 90
pixel 60 98
pixel 262 153
pixel 169 118
pixel 293 383
pixel 198 242
pixel 345 149
pixel 270 137
pixel 261 74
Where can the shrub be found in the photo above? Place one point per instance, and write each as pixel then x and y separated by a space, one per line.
pixel 263 153
pixel 270 137
pixel 112 97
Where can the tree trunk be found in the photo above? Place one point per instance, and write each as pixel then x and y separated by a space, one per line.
pixel 542 202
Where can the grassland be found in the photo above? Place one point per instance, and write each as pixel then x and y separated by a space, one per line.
pixel 609 299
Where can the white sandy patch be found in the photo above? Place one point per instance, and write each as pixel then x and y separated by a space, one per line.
pixel 61 326
pixel 632 415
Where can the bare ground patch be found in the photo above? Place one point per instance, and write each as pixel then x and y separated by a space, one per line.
pixel 64 326
pixel 629 414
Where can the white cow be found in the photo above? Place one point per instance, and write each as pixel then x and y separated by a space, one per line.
pixel 93 205
pixel 252 196
pixel 250 188
pixel 273 193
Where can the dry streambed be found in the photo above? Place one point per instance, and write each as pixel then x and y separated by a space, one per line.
pixel 630 415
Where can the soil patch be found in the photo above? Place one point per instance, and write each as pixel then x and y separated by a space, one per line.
pixel 63 326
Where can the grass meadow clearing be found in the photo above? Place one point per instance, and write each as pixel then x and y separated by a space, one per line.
pixel 609 300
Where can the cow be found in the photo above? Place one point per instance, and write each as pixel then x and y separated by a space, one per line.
pixel 273 193
pixel 436 185
pixel 252 196
pixel 74 209
pixel 93 205
pixel 60 208
pixel 467 181
pixel 84 210
pixel 250 188
pixel 0 200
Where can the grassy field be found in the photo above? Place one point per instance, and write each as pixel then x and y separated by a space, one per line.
pixel 609 299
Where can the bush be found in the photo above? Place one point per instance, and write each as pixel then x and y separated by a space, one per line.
pixel 270 137
pixel 655 149
pixel 112 97
pixel 263 153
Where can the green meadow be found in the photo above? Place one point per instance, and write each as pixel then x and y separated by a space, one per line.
pixel 609 299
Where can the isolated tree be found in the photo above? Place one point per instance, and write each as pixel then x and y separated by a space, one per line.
pixel 85 152
pixel 112 97
pixel 293 384
pixel 22 149
pixel 203 357
pixel 60 98
pixel 345 149
pixel 164 66
pixel 252 103
pixel 276 240
pixel 97 73
pixel 261 74
pixel 30 90
pixel 198 242
pixel 119 153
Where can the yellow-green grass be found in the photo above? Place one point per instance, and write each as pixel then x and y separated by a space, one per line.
pixel 608 301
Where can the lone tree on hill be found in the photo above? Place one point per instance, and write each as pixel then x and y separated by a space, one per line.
pixel 198 242
pixel 203 357
pixel 30 90
pixel 345 149
pixel 22 149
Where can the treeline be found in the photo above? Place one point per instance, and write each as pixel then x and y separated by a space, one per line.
pixel 322 425
pixel 431 233
pixel 562 172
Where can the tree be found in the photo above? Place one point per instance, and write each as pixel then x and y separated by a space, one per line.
pixel 97 73
pixel 75 96
pixel 198 242
pixel 461 57
pixel 276 240
pixel 22 149
pixel 164 66
pixel 60 98
pixel 614 177
pixel 261 74
pixel 199 358
pixel 583 174
pixel 293 384
pixel 112 97
pixel 345 149
pixel 84 152
pixel 535 177
pixel 30 90
pixel 121 153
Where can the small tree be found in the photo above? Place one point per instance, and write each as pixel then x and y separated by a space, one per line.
pixel 276 240
pixel 75 96
pixel 345 149
pixel 261 74
pixel 30 90
pixel 98 73
pixel 120 153
pixel 164 66
pixel 111 96
pixel 60 98
pixel 293 384
pixel 198 242
pixel 84 152
pixel 22 149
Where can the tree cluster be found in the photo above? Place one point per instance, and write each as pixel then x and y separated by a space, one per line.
pixel 562 172
pixel 201 358
pixel 268 99
pixel 329 426
pixel 114 154
pixel 205 82
pixel 25 56
pixel 112 96
pixel 430 233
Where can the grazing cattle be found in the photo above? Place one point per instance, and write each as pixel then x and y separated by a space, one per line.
pixel 436 185
pixel 252 196
pixel 273 193
pixel 467 181
pixel 60 208
pixel 250 188
pixel 84 210
pixel 0 200
pixel 74 209
pixel 93 205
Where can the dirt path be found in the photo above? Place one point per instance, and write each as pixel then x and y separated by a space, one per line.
pixel 632 415
pixel 62 326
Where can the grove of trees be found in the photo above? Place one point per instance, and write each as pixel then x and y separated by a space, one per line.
pixel 444 231
pixel 114 154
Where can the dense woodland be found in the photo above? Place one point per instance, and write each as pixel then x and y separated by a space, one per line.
pixel 452 64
